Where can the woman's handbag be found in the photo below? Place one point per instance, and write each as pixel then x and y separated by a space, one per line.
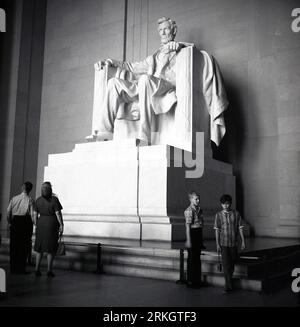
pixel 61 249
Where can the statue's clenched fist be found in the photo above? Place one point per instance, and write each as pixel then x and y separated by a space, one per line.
pixel 174 46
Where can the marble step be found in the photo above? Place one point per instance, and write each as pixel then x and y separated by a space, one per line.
pixel 141 271
pixel 162 264
pixel 209 262
pixel 214 279
pixel 239 282
pixel 138 262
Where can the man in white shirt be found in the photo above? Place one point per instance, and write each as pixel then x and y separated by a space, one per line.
pixel 20 222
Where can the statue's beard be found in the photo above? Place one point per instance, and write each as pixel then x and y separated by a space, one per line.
pixel 167 39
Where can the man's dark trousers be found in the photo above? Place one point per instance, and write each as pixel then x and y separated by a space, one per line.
pixel 20 237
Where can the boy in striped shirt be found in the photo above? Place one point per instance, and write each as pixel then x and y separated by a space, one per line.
pixel 228 227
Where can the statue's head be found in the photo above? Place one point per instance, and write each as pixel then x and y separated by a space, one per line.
pixel 167 29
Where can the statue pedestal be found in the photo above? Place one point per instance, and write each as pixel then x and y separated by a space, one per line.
pixel 117 189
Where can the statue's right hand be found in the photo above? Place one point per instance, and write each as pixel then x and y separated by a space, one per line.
pixel 98 65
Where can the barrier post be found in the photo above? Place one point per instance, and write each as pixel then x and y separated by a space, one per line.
pixel 182 279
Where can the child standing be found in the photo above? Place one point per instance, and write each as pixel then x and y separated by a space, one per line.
pixel 194 224
pixel 228 226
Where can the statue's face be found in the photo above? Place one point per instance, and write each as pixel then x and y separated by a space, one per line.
pixel 165 32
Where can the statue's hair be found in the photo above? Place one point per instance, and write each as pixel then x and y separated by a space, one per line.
pixel 170 21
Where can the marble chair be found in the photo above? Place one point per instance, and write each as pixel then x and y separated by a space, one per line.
pixel 174 128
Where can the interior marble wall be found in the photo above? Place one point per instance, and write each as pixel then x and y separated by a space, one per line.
pixel 258 55
pixel 21 68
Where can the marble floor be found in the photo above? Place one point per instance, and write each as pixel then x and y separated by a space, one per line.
pixel 83 289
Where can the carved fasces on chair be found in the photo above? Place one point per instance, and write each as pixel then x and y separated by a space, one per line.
pixel 100 82
pixel 103 73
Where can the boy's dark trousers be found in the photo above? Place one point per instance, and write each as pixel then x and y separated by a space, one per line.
pixel 229 258
pixel 194 260
pixel 20 237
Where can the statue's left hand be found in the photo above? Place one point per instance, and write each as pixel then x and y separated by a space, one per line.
pixel 174 46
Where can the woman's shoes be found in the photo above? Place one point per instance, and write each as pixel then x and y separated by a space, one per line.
pixel 227 291
pixel 193 284
pixel 50 274
pixel 38 273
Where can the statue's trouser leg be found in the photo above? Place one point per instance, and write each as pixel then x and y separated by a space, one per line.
pixel 118 92
pixel 146 87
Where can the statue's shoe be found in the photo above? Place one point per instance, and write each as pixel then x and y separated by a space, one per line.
pixel 141 142
pixel 91 138
pixel 99 136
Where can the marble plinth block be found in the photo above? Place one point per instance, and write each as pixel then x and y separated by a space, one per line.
pixel 117 189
